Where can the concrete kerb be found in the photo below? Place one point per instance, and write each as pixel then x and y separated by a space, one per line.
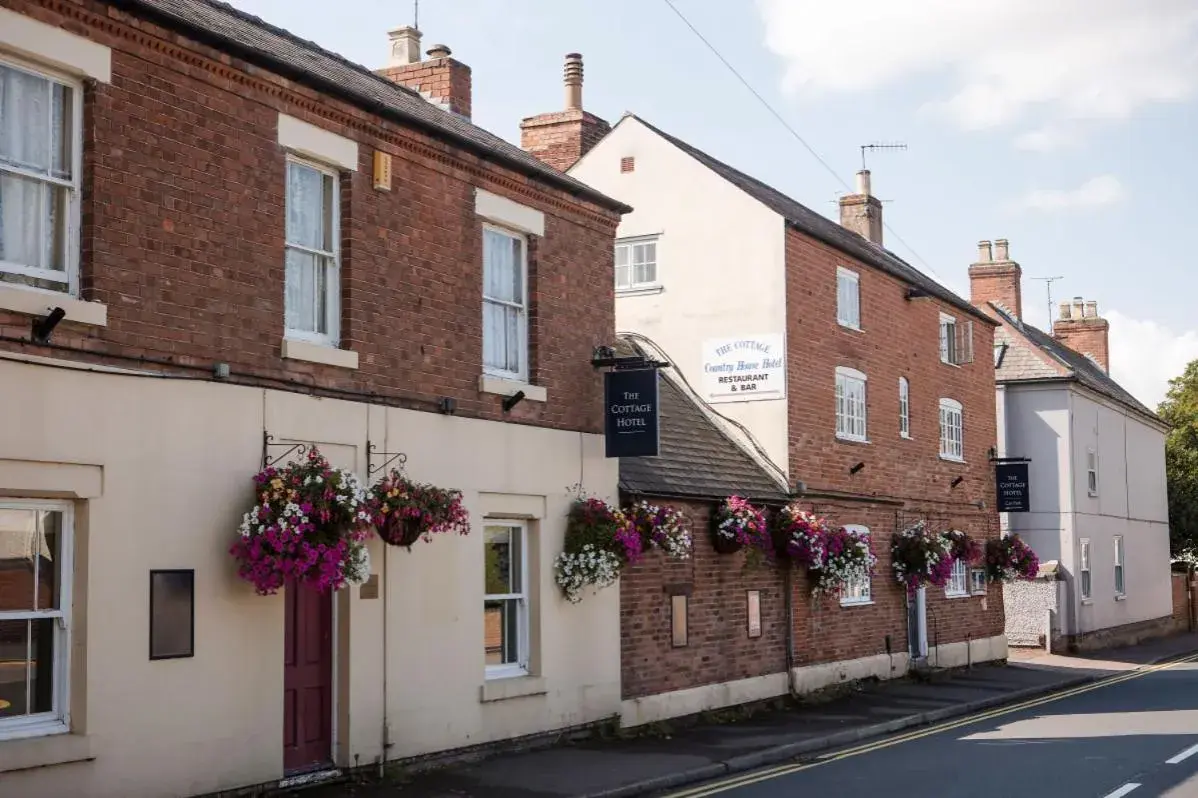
pixel 783 753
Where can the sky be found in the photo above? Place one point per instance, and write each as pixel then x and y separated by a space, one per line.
pixel 1067 127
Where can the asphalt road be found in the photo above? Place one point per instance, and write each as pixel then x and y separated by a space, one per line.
pixel 1096 741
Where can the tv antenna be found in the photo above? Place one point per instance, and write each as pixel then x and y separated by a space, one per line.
pixel 1048 281
pixel 416 14
pixel 879 146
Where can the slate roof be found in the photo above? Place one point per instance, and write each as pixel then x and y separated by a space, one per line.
pixel 1020 365
pixel 248 37
pixel 696 458
pixel 821 227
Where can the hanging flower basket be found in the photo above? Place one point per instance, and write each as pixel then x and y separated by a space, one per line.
pixel 309 523
pixel 1008 559
pixel 599 541
pixel 660 527
pixel 963 547
pixel 403 511
pixel 737 525
pixel 801 536
pixel 921 557
pixel 847 558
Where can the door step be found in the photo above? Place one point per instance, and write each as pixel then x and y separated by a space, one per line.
pixel 310 778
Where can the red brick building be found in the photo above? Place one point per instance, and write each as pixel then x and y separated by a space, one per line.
pixel 866 384
pixel 218 242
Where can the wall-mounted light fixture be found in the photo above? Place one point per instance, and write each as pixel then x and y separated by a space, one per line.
pixel 43 327
pixel 956 482
pixel 511 401
pixel 856 468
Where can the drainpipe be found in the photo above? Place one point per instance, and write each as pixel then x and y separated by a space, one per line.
pixel 386 726
pixel 788 587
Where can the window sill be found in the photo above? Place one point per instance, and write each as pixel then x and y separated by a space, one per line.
pixel 948 458
pixel 1121 597
pixel 1086 602
pixel 906 437
pixel 38 303
pixel 319 353
pixel 856 602
pixel 503 689
pixel 37 752
pixel 504 386
pixel 948 595
pixel 954 365
pixel 846 439
pixel 640 290
pixel 853 327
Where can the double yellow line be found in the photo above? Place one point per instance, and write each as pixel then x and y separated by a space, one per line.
pixel 784 770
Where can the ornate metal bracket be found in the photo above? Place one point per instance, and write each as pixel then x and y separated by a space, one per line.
pixel 268 441
pixel 392 457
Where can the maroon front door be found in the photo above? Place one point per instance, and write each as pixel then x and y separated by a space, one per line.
pixel 307 680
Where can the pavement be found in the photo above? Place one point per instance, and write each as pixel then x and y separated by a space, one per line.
pixel 704 754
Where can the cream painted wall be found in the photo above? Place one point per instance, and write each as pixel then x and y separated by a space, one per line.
pixel 721 261
pixel 1037 427
pixel 1056 425
pixel 1131 475
pixel 176 459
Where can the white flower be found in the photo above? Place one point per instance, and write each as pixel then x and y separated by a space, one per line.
pixel 357 564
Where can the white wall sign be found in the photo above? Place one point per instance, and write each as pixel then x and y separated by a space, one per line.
pixel 744 369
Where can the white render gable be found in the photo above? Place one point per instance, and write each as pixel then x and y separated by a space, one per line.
pixel 720 263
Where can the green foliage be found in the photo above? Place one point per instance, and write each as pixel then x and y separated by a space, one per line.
pixel 1180 411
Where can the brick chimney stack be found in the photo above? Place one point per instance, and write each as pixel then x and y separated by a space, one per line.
pixel 862 212
pixel 442 80
pixel 562 137
pixel 1081 329
pixel 995 278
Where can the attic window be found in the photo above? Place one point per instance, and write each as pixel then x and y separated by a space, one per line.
pixel 628 164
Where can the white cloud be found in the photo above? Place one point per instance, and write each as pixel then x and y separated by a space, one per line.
pixel 1094 193
pixel 1146 355
pixel 1046 139
pixel 1008 61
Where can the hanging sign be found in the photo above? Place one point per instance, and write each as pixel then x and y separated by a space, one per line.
pixel 744 369
pixel 630 412
pixel 1012 485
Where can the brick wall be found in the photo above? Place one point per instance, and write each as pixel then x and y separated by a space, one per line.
pixel 718 646
pixel 183 235
pixel 825 631
pixel 898 338
pixel 1181 602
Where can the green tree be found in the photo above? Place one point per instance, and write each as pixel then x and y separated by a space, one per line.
pixel 1180 411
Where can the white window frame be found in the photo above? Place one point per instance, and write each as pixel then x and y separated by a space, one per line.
pixel 333 283
pixel 952 449
pixel 904 408
pixel 948 339
pixel 857 593
pixel 57 721
pixel 1085 578
pixel 1120 571
pixel 845 377
pixel 71 227
pixel 520 667
pixel 628 244
pixel 1092 472
pixel 521 373
pixel 958 581
pixel 977 581
pixel 848 286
